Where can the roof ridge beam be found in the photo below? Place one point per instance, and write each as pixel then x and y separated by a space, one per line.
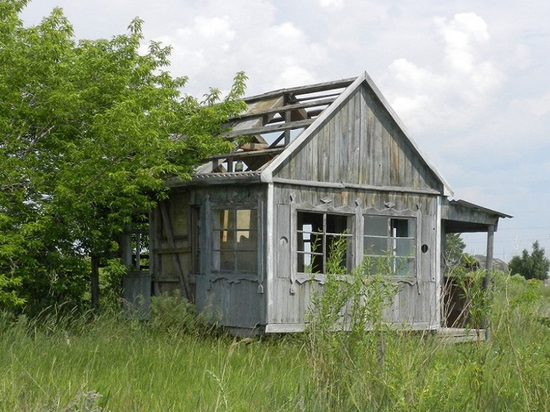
pixel 318 87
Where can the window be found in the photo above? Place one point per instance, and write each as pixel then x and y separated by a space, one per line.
pixel 393 238
pixel 318 237
pixel 235 240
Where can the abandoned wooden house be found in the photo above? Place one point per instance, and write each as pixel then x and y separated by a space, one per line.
pixel 248 237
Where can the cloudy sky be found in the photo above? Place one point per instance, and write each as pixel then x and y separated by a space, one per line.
pixel 470 79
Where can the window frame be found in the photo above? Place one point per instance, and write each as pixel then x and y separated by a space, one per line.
pixel 324 233
pixel 232 231
pixel 392 238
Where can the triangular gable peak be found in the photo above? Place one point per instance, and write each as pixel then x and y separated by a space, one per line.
pixel 340 132
pixel 358 141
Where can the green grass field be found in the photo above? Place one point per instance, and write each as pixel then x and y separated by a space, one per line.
pixel 75 363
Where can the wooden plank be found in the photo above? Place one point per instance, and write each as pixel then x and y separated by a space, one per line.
pixel 314 88
pixel 245 154
pixel 269 129
pixel 280 109
pixel 184 279
pixel 285 328
pixel 342 185
pixel 283 241
pixel 166 251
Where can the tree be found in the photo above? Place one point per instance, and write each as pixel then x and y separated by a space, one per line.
pixel 534 265
pixel 90 131
pixel 455 259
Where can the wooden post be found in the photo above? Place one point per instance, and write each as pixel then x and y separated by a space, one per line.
pixel 288 119
pixel 487 278
pixel 94 282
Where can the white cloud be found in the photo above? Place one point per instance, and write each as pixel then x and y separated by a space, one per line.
pixel 538 106
pixel 332 4
pixel 294 75
pixel 453 93
pixel 223 40
pixel 462 34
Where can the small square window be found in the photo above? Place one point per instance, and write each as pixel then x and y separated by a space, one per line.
pixel 324 243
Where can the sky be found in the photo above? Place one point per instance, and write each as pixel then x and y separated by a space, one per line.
pixel 469 79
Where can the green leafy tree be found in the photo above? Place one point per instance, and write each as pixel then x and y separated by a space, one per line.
pixel 534 265
pixel 90 131
pixel 456 261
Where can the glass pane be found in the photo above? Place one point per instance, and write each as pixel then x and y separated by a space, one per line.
pixel 221 219
pixel 376 226
pixel 376 246
pixel 246 261
pixel 226 238
pixel 235 240
pixel 404 247
pixel 227 260
pixel 404 267
pixel 246 239
pixel 246 219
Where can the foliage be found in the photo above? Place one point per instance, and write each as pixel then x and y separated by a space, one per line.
pixel 342 312
pixel 176 315
pixel 454 249
pixel 107 361
pixel 455 260
pixel 90 132
pixel 477 298
pixel 534 265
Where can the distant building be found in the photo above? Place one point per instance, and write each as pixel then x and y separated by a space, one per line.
pixel 498 264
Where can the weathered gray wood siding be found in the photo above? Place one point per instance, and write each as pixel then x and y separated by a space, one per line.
pixel 415 305
pixel 233 299
pixel 360 144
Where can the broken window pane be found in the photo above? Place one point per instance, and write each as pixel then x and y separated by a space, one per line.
pixel 323 239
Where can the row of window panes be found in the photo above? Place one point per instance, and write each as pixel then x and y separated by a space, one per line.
pixel 384 237
pixel 235 240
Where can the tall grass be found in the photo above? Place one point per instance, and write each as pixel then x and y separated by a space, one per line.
pixel 405 371
pixel 76 362
pixel 113 363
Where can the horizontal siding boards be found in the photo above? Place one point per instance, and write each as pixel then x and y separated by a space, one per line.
pixel 413 305
pixel 360 144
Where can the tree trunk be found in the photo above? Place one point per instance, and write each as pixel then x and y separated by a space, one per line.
pixel 94 282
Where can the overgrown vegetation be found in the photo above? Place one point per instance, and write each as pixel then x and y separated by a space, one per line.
pixel 108 362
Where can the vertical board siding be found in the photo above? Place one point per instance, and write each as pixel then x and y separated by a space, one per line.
pixel 234 300
pixel 360 144
pixel 414 304
pixel 166 276
pixel 232 304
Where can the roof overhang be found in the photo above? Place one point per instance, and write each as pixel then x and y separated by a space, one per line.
pixel 460 216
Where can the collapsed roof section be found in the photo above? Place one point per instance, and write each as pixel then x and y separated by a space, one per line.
pixel 272 120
